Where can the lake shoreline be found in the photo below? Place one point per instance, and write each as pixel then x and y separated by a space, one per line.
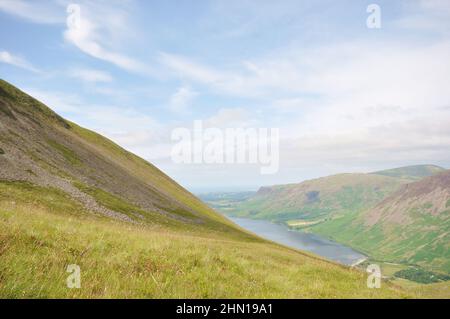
pixel 306 241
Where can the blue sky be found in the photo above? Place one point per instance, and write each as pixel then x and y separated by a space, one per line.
pixel 346 98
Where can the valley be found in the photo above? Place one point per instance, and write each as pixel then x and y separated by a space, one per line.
pixel 394 216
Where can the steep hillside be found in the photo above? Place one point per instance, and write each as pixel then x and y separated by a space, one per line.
pixel 71 196
pixel 410 226
pixel 40 147
pixel 415 172
pixel 318 199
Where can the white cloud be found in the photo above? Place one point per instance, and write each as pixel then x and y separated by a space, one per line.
pixel 352 106
pixel 296 104
pixel 231 117
pixel 181 99
pixel 97 30
pixel 426 15
pixel 228 82
pixel 102 25
pixel 186 68
pixel 17 61
pixel 437 6
pixel 34 11
pixel 91 75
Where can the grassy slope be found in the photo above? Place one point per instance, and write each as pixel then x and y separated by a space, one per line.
pixel 42 230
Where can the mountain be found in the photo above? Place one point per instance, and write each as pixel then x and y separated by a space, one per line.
pixel 415 223
pixel 70 197
pixel 415 172
pixel 318 199
pixel 411 226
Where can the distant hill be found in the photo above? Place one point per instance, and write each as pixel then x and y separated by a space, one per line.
pixel 319 198
pixel 410 226
pixel 412 172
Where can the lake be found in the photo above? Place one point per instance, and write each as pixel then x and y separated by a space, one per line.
pixel 300 240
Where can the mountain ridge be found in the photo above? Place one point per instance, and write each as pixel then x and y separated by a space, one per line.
pixel 413 172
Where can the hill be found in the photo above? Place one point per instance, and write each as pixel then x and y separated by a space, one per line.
pixel 318 199
pixel 71 196
pixel 410 226
pixel 415 172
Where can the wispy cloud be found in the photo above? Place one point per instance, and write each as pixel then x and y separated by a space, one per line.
pixel 96 30
pixel 101 26
pixel 186 68
pixel 33 11
pixel 91 75
pixel 426 16
pixel 181 99
pixel 17 61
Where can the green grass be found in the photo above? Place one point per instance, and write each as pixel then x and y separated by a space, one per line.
pixel 427 249
pixel 70 156
pixel 436 290
pixel 42 231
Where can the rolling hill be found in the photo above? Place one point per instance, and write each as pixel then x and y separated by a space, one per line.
pixel 318 199
pixel 71 196
pixel 414 172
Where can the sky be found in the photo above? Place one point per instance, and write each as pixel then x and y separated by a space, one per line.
pixel 345 97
